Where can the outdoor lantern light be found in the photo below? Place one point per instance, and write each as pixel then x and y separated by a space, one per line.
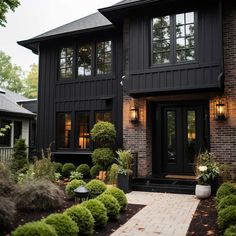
pixel 134 114
pixel 81 193
pixel 220 109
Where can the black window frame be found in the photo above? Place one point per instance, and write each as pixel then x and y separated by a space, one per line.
pixel 7 134
pixel 173 58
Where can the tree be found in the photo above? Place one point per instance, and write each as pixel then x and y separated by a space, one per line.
pixel 31 83
pixel 5 5
pixel 10 75
pixel 19 155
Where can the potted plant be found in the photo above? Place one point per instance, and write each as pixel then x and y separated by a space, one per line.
pixel 124 178
pixel 207 171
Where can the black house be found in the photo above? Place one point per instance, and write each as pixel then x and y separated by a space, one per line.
pixel 155 68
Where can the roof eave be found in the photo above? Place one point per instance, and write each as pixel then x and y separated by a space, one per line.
pixel 18 114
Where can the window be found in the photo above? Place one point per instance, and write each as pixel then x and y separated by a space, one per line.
pixel 173 38
pixel 83 137
pixel 103 50
pixel 66 63
pixel 5 140
pixel 85 60
pixel 17 130
pixel 103 116
pixel 185 37
pixel 64 130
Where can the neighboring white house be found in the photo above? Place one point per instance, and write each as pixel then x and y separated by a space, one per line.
pixel 21 120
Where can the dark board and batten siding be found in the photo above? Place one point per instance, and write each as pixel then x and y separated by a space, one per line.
pixel 203 73
pixel 75 95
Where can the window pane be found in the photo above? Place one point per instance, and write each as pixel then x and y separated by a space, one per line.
pixel 104 58
pixel 85 60
pixel 83 137
pixel 191 130
pixel 103 116
pixel 171 137
pixel 63 130
pixel 66 63
pixel 5 141
pixel 185 41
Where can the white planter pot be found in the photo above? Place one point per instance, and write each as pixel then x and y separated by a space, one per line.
pixel 203 191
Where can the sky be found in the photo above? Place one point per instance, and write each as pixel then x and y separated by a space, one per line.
pixel 34 17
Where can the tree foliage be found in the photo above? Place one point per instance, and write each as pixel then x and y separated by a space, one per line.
pixel 31 83
pixel 5 6
pixel 10 74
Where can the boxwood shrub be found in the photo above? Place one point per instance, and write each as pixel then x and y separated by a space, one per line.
pixel 111 204
pixel 71 186
pixel 83 218
pixel 227 201
pixel 84 169
pixel 96 187
pixel 224 190
pixel 231 231
pixel 119 195
pixel 58 167
pixel 36 228
pixel 63 224
pixel 98 211
pixel 227 217
pixel 67 169
pixel 103 157
pixel 94 171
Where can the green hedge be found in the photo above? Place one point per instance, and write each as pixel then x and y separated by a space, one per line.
pixel 96 187
pixel 84 169
pixel 94 171
pixel 224 190
pixel 226 201
pixel 103 157
pixel 231 231
pixel 67 169
pixel 227 217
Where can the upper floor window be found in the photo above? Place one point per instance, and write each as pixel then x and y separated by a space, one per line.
pixel 173 38
pixel 85 60
pixel 66 63
pixel 103 57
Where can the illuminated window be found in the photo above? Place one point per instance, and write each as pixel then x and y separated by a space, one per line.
pixel 66 63
pixel 64 130
pixel 103 116
pixel 83 139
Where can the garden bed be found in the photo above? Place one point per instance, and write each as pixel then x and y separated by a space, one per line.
pixel 204 220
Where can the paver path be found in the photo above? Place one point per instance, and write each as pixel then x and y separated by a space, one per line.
pixel 165 214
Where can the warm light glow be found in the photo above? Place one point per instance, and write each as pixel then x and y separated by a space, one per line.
pixel 84 140
pixel 67 129
pixel 134 114
pixel 191 136
pixel 220 107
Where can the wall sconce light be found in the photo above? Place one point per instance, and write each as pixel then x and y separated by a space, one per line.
pixel 221 109
pixel 134 114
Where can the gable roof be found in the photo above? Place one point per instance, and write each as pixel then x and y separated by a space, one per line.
pixel 95 21
pixel 8 103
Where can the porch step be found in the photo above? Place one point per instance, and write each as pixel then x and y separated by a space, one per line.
pixel 164 185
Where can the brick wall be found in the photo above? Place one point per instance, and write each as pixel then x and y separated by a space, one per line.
pixel 223 133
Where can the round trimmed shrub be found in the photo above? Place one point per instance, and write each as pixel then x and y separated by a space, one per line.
pixel 103 134
pixel 36 228
pixel 224 190
pixel 84 169
pixel 63 224
pixel 82 217
pixel 71 186
pixel 103 157
pixel 98 211
pixel 7 212
pixel 231 231
pixel 67 169
pixel 94 171
pixel 111 204
pixel 119 195
pixel 58 167
pixel 227 217
pixel 96 187
pixel 40 195
pixel 227 201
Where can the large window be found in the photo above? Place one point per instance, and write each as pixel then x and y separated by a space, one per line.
pixel 85 60
pixel 173 38
pixel 83 137
pixel 5 140
pixel 64 130
pixel 66 63
pixel 103 57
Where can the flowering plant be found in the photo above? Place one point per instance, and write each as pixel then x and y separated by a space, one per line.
pixel 206 168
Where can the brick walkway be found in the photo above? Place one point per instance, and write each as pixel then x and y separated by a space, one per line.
pixel 164 214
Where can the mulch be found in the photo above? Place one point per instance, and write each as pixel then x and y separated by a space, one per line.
pixel 204 222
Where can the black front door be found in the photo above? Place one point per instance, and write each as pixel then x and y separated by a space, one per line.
pixel 182 132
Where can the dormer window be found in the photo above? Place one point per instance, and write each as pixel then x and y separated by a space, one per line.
pixel 173 39
pixel 66 63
